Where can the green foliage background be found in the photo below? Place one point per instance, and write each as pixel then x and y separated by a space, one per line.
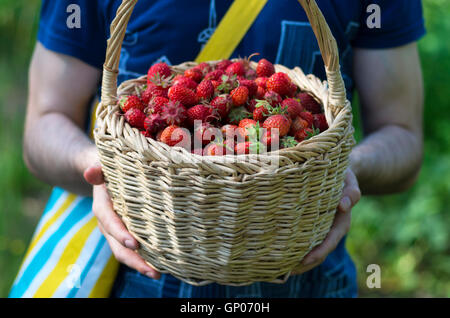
pixel 407 234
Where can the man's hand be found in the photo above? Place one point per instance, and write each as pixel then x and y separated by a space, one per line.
pixel 122 243
pixel 341 225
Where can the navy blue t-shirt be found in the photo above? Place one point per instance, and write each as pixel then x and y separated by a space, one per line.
pixel 174 31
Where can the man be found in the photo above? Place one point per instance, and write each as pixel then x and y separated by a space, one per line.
pixel 381 63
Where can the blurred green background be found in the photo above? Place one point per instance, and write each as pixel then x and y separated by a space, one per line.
pixel 407 234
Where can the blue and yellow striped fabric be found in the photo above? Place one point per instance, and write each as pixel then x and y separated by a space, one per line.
pixel 68 256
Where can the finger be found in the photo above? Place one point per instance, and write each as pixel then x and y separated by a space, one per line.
pixel 110 221
pixel 351 193
pixel 305 268
pixel 340 227
pixel 94 175
pixel 129 257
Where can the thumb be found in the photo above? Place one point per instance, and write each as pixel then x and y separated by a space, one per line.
pixel 94 175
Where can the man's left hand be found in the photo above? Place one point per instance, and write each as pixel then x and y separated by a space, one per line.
pixel 341 225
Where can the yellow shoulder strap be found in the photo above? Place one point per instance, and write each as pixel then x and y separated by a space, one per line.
pixel 231 30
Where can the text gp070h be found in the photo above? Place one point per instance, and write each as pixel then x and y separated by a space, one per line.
pixel 247 307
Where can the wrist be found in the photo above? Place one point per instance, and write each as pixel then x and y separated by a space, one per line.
pixel 87 157
pixel 356 164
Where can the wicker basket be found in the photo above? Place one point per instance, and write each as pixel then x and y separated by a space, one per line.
pixel 218 219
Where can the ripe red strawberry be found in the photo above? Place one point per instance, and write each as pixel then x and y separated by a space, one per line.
pixel 219 148
pixel 279 83
pixel 239 95
pixel 320 122
pixel 261 112
pixel 247 122
pixel 173 135
pixel 273 98
pixel 298 124
pixel 251 86
pixel 261 81
pixel 135 117
pixel 183 95
pixel 237 68
pixel 260 92
pixel 265 68
pixel 279 122
pixel 174 113
pixel 237 114
pixel 184 81
pixel 221 105
pixel 222 65
pixel 306 133
pixel 204 67
pixel 159 68
pixel 293 107
pixel 309 103
pixel 147 134
pixel 205 90
pixel 251 106
pixel 195 74
pixel 251 131
pixel 146 95
pixel 292 90
pixel 308 117
pixel 214 75
pixel 270 138
pixel 216 85
pixel 131 102
pixel 229 131
pixel 156 105
pixel 215 149
pixel 157 90
pixel 154 123
pixel 198 112
pixel 251 74
pixel 203 134
pixel 245 148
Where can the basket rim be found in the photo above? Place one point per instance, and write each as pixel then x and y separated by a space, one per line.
pixel 340 126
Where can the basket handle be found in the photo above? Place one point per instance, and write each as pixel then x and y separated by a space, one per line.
pixel 327 44
pixel 330 54
pixel 113 49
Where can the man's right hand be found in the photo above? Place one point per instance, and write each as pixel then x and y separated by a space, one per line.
pixel 122 243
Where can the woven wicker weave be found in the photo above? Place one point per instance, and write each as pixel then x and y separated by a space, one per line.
pixel 216 219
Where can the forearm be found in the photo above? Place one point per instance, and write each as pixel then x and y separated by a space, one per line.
pixel 57 151
pixel 387 160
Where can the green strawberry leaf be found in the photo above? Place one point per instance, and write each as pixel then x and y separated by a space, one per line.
pixel 263 103
pixel 237 114
pixel 254 132
pixel 279 110
pixel 288 142
pixel 315 132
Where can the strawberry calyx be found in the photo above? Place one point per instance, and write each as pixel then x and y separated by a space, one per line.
pixel 312 132
pixel 288 142
pixel 161 81
pixel 271 110
pixel 239 113
pixel 228 83
pixel 254 132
